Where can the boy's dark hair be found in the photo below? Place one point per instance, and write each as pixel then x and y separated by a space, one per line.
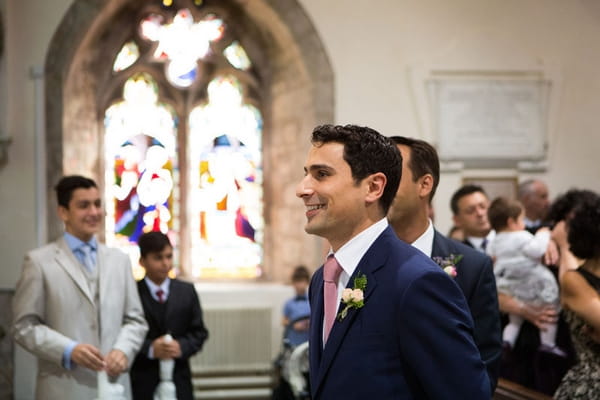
pixel 68 184
pixel 153 242
pixel 300 274
pixel 462 192
pixel 423 160
pixel 584 229
pixel 367 152
pixel 501 210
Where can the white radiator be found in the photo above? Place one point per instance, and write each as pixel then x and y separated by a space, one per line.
pixel 239 340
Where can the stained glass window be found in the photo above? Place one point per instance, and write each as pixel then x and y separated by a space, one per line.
pixel 127 56
pixel 141 165
pixel 181 43
pixel 214 212
pixel 226 184
pixel 236 55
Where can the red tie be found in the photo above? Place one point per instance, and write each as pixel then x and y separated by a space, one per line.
pixel 159 294
pixel 331 274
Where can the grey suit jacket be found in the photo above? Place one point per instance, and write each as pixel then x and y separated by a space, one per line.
pixel 53 305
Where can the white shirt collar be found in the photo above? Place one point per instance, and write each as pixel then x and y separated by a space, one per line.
pixel 350 254
pixel 532 223
pixel 425 241
pixel 477 241
pixel 153 287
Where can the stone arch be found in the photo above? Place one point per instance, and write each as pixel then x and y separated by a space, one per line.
pixel 297 94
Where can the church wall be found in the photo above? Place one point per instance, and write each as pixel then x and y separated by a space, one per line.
pixel 374 47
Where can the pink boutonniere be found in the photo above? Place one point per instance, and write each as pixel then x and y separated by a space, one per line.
pixel 448 264
pixel 354 298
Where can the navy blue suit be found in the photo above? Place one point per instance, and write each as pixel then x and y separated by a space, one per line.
pixel 475 277
pixel 411 340
pixel 181 316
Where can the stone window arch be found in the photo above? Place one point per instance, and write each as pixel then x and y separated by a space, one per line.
pixel 292 80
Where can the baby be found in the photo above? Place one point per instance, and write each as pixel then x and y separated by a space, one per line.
pixel 518 269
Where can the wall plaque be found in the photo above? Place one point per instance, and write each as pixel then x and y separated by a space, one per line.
pixel 490 120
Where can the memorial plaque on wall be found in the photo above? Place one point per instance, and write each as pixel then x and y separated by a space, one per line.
pixel 490 119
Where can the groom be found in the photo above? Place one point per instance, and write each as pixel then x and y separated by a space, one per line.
pixel 407 332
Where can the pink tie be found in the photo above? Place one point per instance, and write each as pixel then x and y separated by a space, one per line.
pixel 331 274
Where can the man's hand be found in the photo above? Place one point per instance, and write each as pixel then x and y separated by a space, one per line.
pixel 88 356
pixel 165 350
pixel 116 363
pixel 539 316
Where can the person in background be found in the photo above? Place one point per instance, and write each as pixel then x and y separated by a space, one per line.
pixel 296 311
pixel 519 272
pixel 533 195
pixel 469 206
pixel 579 238
pixel 409 217
pixel 456 233
pixel 172 307
pixel 386 321
pixel 76 306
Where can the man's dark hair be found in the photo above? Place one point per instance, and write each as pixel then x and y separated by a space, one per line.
pixel 300 274
pixel 564 204
pixel 501 210
pixel 68 184
pixel 423 160
pixel 584 229
pixel 367 152
pixel 462 192
pixel 153 242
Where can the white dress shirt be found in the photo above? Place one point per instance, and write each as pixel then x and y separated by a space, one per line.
pixel 425 241
pixel 350 254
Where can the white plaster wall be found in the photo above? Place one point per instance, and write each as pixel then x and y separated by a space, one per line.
pixel 373 45
pixel 29 26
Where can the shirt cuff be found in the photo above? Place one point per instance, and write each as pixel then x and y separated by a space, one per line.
pixel 66 360
pixel 150 352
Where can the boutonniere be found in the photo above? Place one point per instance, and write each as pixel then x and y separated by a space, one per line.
pixel 448 264
pixel 354 298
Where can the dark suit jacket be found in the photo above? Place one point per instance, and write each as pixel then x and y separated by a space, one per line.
pixel 475 277
pixel 181 316
pixel 411 340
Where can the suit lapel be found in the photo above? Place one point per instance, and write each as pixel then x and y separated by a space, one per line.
pixel 373 259
pixel 440 247
pixel 66 259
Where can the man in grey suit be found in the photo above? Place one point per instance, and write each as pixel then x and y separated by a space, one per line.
pixel 76 305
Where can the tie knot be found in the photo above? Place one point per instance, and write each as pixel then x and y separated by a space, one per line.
pixel 331 270
pixel 160 293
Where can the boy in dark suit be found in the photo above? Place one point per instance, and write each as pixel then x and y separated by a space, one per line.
pixel 171 307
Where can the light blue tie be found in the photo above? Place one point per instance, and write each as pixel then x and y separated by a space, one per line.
pixel 88 259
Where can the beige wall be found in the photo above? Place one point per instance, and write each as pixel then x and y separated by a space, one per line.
pixel 373 47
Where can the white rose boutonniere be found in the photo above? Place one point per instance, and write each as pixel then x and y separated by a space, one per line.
pixel 354 298
pixel 448 264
